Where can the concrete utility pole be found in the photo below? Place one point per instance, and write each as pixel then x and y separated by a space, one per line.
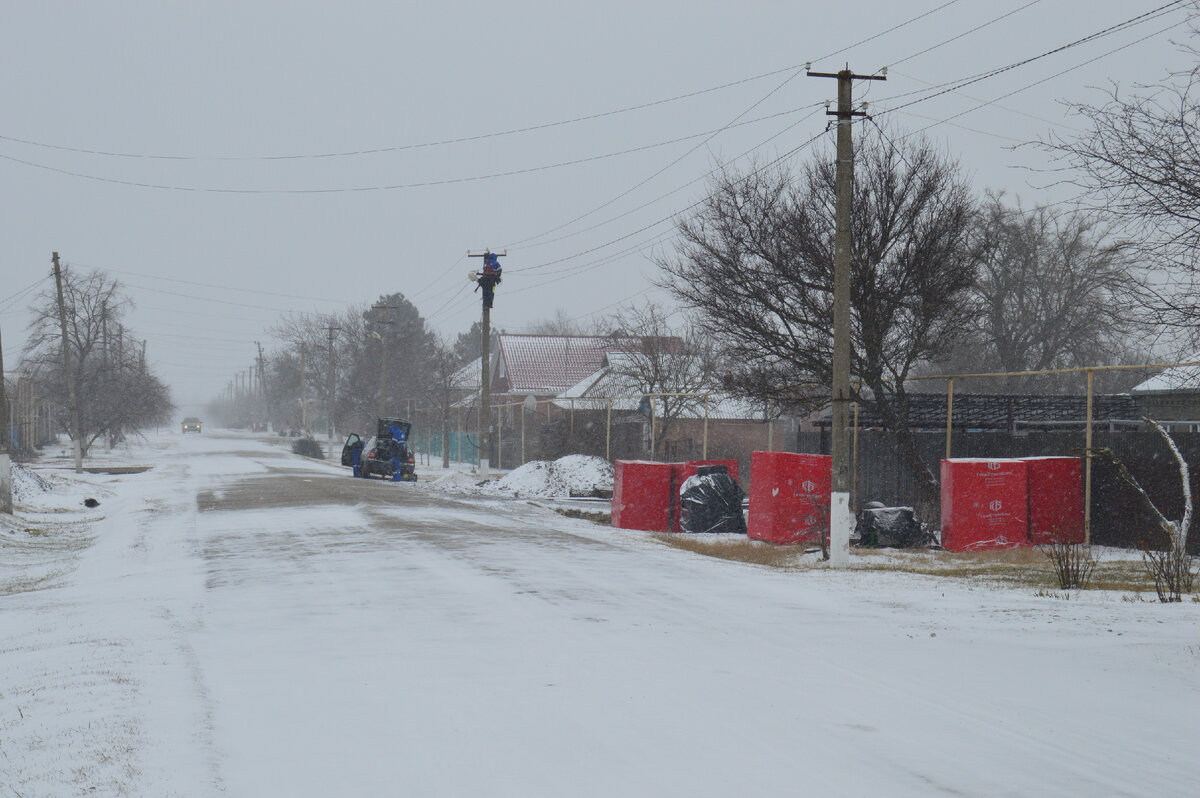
pixel 840 521
pixel 303 403
pixel 329 393
pixel 383 340
pixel 485 393
pixel 6 504
pixel 76 432
pixel 262 388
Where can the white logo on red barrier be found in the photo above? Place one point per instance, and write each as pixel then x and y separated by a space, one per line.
pixel 809 486
pixel 993 465
pixel 995 505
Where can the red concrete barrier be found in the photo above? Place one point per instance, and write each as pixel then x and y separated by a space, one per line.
pixel 789 496
pixel 985 504
pixel 642 495
pixel 1055 499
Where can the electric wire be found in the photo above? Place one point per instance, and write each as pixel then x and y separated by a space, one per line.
pixel 760 101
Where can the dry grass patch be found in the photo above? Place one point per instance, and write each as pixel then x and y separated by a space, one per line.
pixel 1022 567
pixel 738 548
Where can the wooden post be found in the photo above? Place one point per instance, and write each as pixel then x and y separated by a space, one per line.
pixel 949 413
pixel 704 453
pixel 523 460
pixel 1087 467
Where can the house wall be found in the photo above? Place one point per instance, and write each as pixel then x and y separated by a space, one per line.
pixel 1174 406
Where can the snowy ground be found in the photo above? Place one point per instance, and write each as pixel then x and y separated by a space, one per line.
pixel 240 621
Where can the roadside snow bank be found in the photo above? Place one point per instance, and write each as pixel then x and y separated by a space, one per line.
pixel 26 483
pixel 547 478
pixel 538 478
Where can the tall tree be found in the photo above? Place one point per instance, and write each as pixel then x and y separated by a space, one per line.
pixel 1053 291
pixel 117 392
pixel 1138 162
pixel 756 264
pixel 649 355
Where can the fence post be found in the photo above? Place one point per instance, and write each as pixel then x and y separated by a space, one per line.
pixel 704 454
pixel 1087 467
pixel 523 434
pixel 608 433
pixel 949 413
pixel 500 436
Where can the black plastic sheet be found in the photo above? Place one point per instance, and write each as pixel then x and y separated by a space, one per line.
pixel 889 527
pixel 711 501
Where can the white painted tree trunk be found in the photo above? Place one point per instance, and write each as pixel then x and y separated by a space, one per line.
pixel 6 499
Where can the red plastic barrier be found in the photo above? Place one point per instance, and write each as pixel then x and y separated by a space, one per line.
pixel 681 473
pixel 985 504
pixel 1055 499
pixel 642 495
pixel 789 496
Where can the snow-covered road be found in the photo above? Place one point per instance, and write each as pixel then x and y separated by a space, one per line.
pixel 248 623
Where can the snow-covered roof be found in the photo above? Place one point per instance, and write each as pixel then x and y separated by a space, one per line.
pixel 594 391
pixel 550 364
pixel 1177 379
pixel 467 377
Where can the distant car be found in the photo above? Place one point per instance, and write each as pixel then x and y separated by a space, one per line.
pixel 191 424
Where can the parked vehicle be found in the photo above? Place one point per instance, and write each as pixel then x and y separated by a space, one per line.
pixel 191 424
pixel 386 454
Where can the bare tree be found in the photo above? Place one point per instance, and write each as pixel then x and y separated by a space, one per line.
pixel 117 392
pixel 1139 163
pixel 1171 567
pixel 756 263
pixel 561 323
pixel 655 359
pixel 444 363
pixel 1052 291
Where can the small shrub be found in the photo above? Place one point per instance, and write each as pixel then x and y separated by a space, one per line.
pixel 1172 572
pixel 1073 562
pixel 307 447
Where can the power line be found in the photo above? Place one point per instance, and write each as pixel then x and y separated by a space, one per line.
pixel 795 73
pixel 1132 21
pixel 397 186
pixel 985 103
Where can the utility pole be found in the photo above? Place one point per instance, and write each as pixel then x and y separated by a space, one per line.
pixel 839 509
pixel 6 504
pixel 303 403
pixel 487 280
pixel 76 432
pixel 262 388
pixel 329 392
pixel 383 340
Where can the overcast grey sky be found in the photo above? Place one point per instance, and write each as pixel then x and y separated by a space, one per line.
pixel 186 109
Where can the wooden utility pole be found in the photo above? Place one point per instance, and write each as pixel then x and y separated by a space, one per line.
pixel 485 394
pixel 839 509
pixel 76 432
